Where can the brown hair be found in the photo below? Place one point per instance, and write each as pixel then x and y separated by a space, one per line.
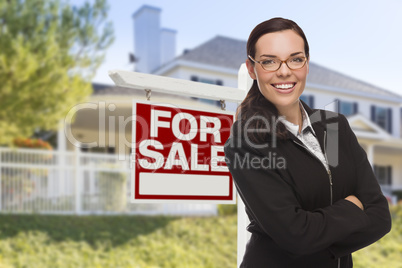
pixel 255 106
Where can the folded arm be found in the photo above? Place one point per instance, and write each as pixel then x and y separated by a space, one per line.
pixel 370 195
pixel 274 206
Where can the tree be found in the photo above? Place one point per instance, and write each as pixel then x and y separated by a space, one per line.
pixel 49 52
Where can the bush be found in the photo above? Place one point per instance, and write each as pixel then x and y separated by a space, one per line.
pixel 387 251
pixel 31 143
pixel 38 241
pixel 226 210
pixel 398 194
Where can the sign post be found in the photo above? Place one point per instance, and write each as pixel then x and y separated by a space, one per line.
pixel 244 82
pixel 184 141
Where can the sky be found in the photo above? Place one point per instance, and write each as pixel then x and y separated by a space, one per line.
pixel 360 38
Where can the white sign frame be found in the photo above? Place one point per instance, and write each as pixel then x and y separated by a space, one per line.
pixel 220 181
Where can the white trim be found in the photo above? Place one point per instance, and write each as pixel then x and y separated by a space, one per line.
pixel 378 133
pixel 353 92
pixel 367 135
pixel 192 64
pixel 183 63
pixel 370 153
pixel 392 143
pixel 170 85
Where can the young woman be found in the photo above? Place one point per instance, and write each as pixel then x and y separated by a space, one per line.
pixel 309 190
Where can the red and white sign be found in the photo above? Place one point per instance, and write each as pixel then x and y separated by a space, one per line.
pixel 178 155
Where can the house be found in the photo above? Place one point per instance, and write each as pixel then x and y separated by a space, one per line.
pixel 103 125
pixel 71 181
pixel 374 113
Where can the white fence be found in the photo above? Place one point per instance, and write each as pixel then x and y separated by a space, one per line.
pixel 52 182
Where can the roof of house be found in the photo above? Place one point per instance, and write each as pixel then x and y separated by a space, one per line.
pixel 106 89
pixel 219 51
pixel 231 53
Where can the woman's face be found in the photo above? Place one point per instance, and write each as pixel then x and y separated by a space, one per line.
pixel 284 86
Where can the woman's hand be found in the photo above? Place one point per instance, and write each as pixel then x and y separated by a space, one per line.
pixel 355 201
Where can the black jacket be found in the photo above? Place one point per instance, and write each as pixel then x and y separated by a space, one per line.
pixel 287 192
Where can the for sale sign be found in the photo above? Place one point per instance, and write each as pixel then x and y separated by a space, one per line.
pixel 178 155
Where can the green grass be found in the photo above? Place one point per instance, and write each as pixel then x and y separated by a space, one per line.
pixel 143 241
pixel 387 252
pixel 117 241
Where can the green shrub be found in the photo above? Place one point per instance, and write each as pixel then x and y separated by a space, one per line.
pixel 387 252
pixel 226 210
pixel 147 242
pixel 398 194
pixel 117 241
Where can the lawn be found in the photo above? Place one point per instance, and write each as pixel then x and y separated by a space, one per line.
pixel 117 241
pixel 146 241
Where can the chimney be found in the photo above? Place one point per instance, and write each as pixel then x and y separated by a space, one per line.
pixel 147 38
pixel 168 45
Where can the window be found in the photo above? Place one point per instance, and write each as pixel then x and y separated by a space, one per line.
pixel 308 99
pixel 107 150
pixel 346 107
pixel 206 80
pixel 383 174
pixel 212 102
pixel 382 116
pixel 400 120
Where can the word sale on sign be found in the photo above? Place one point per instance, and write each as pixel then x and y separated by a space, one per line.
pixel 178 155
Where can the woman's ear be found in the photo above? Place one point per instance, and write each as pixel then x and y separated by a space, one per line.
pixel 250 68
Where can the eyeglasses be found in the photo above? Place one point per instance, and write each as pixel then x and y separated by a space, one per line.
pixel 272 64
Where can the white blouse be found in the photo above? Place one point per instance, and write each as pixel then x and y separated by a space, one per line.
pixel 307 136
